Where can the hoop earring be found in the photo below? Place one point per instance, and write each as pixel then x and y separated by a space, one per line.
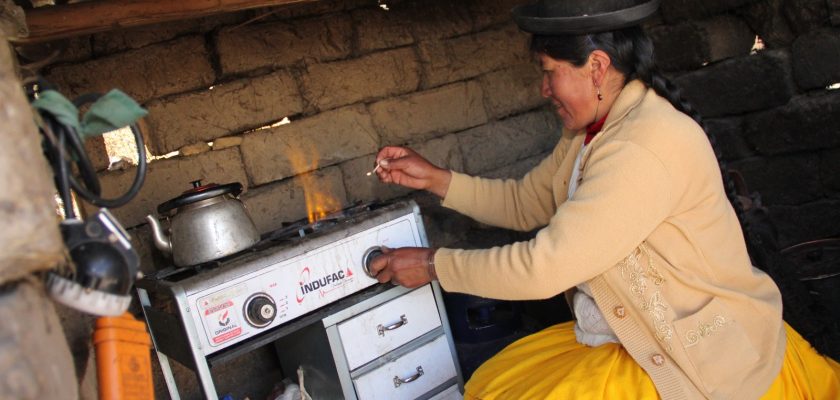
pixel 600 96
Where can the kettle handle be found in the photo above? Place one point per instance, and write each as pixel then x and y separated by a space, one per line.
pixel 202 194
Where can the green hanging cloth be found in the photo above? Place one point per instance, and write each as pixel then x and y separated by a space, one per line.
pixel 56 104
pixel 112 111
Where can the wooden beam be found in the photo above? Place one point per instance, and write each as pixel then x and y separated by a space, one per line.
pixel 62 21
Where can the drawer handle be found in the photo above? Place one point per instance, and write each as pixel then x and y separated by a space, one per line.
pixel 381 329
pixel 412 378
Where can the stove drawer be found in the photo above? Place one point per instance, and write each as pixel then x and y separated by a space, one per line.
pixel 367 336
pixel 411 375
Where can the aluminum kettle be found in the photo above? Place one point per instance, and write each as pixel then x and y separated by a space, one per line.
pixel 206 223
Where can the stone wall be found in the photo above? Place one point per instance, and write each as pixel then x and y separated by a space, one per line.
pixel 454 80
pixel 350 77
pixel 772 110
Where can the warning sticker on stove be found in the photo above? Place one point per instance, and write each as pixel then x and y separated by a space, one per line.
pixel 222 323
pixel 222 296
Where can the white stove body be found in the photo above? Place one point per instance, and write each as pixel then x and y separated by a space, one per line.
pixel 200 317
pixel 296 285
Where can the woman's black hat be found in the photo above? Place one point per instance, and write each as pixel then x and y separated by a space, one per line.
pixel 575 17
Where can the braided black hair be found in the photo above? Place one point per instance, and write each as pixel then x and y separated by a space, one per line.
pixel 631 53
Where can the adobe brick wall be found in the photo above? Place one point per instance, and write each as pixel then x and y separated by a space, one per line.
pixel 771 110
pixel 319 141
pixel 378 75
pixel 158 70
pixel 234 106
pixel 455 81
pixel 422 71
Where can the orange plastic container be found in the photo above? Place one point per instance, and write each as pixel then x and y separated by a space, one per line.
pixel 123 359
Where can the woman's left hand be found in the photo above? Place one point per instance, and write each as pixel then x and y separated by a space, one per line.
pixel 407 266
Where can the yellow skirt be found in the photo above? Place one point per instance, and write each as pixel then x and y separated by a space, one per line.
pixel 551 364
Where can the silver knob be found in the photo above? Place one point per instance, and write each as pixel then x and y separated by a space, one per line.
pixel 259 310
pixel 368 258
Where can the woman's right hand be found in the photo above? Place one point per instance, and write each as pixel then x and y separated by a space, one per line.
pixel 405 167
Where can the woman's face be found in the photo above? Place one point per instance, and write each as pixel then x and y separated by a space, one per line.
pixel 571 91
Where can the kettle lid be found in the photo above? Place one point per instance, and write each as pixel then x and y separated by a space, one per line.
pixel 198 193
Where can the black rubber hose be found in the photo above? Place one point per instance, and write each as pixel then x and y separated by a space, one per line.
pixel 62 174
pixel 139 177
pixel 52 146
pixel 65 147
pixel 92 192
pixel 86 170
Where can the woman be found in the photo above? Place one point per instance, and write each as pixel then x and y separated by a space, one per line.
pixel 635 226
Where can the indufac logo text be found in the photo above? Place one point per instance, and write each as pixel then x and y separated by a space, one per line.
pixel 322 284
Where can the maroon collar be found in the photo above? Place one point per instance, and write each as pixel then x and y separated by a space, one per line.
pixel 594 128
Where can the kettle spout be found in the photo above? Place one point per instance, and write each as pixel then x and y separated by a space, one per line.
pixel 162 242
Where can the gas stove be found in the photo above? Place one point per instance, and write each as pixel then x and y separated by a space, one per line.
pixel 212 311
pixel 303 290
pixel 289 273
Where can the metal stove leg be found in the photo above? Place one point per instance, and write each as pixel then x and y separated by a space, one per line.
pixel 168 377
pixel 202 369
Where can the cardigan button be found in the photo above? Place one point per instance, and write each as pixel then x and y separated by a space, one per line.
pixel 618 311
pixel 658 360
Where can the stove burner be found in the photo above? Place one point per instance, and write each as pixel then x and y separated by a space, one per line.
pixel 303 227
pixel 298 229
pixel 358 208
pixel 178 273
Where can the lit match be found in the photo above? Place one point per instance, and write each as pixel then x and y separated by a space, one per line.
pixel 374 170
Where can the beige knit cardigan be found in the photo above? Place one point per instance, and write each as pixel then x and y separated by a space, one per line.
pixel 652 232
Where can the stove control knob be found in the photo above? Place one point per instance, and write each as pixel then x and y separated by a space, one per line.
pixel 260 310
pixel 370 254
